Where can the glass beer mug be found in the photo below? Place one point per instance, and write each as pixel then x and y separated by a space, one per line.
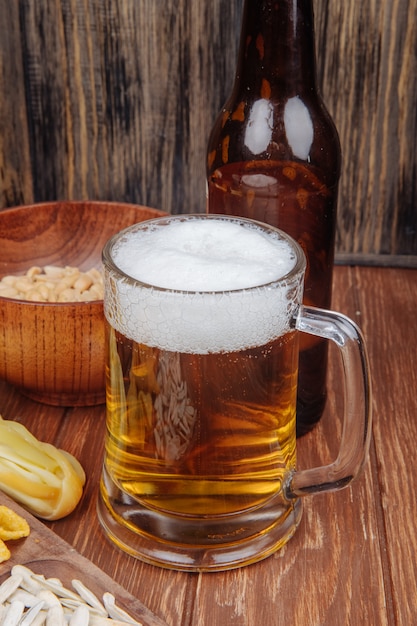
pixel 203 317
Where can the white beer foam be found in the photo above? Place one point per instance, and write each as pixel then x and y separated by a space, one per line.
pixel 210 258
pixel 205 255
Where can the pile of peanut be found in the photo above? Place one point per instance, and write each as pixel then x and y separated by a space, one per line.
pixel 54 284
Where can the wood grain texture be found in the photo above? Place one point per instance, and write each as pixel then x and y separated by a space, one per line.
pixel 367 67
pixel 114 100
pixel 44 552
pixel 62 362
pixel 389 324
pixel 352 560
pixel 319 578
pixel 120 97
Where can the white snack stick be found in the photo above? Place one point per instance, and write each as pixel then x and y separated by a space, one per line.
pixel 14 613
pixel 55 615
pixel 80 617
pixel 87 595
pixel 8 587
pixel 29 617
pixel 56 586
pixel 115 611
pixel 29 583
pixel 39 619
pixel 49 598
pixel 28 598
pixel 50 603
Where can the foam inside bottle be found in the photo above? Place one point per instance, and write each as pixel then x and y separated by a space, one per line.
pixel 202 285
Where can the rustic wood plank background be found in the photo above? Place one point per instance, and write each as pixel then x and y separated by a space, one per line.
pixel 114 100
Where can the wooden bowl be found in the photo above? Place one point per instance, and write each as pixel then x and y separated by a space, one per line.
pixel 55 352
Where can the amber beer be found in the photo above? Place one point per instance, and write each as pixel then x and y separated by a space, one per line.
pixel 290 196
pixel 201 378
pixel 202 315
pixel 205 434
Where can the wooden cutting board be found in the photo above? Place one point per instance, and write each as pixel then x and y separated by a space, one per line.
pixel 46 553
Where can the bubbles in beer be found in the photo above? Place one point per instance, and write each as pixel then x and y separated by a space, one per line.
pixel 201 385
pixel 214 285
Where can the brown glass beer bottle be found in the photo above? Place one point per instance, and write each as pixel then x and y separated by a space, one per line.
pixel 274 156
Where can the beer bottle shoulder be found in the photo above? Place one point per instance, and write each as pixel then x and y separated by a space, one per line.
pixel 294 128
pixel 275 111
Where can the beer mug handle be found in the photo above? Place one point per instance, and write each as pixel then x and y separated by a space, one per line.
pixel 356 430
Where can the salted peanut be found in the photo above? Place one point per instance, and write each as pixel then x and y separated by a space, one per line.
pixel 42 280
pixel 69 295
pixel 53 296
pixel 71 278
pixel 34 295
pixel 34 271
pixel 88 296
pixel 23 284
pixel 60 286
pixel 8 280
pixel 95 275
pixel 46 278
pixel 83 283
pixel 43 291
pixel 54 284
pixel 8 292
pixel 53 270
pixel 97 289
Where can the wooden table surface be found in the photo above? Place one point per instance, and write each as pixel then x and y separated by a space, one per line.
pixel 353 559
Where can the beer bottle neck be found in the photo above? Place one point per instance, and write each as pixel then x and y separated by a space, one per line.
pixel 276 54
